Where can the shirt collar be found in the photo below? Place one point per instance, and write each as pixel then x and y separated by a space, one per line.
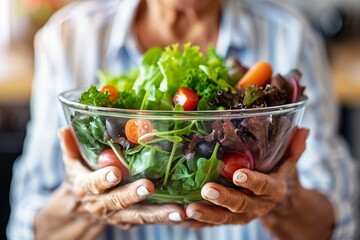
pixel 121 28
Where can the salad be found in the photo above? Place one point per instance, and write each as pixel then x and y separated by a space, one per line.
pixel 182 152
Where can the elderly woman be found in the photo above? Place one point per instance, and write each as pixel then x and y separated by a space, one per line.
pixel 53 199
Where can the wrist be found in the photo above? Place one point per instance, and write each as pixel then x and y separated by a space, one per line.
pixel 304 214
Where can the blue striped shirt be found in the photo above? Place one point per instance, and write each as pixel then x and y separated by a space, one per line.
pixel 92 35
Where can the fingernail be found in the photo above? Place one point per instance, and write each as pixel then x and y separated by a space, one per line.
pixel 195 215
pixel 212 193
pixel 175 216
pixel 142 191
pixel 241 177
pixel 110 177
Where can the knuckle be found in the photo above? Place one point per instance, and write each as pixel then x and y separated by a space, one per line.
pixel 115 202
pixel 242 205
pixel 95 207
pixel 137 217
pixel 261 187
pixel 94 184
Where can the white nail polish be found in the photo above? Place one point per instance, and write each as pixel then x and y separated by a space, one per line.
pixel 110 177
pixel 212 193
pixel 175 216
pixel 241 177
pixel 142 191
pixel 195 215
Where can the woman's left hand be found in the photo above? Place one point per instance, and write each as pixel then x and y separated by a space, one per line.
pixel 264 196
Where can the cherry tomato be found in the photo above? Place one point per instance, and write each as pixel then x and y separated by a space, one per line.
pixel 109 158
pixel 232 162
pixel 110 90
pixel 187 98
pixel 135 128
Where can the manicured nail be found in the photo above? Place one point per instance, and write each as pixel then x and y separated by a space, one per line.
pixel 175 216
pixel 142 191
pixel 212 193
pixel 110 177
pixel 241 177
pixel 195 215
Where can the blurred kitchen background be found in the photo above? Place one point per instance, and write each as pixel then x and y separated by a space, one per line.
pixel 338 21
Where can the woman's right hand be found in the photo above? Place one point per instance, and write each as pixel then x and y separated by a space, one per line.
pixel 94 197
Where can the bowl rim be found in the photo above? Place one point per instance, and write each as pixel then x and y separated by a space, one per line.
pixel 264 111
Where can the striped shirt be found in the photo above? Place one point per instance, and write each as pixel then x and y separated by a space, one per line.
pixel 91 35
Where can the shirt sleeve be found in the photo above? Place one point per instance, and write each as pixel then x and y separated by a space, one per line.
pixel 326 164
pixel 39 170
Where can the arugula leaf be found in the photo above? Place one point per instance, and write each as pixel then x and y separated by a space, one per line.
pixel 208 169
pixel 186 178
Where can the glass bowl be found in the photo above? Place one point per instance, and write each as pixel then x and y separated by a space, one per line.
pixel 181 151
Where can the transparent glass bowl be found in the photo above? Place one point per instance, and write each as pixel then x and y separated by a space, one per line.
pixel 181 151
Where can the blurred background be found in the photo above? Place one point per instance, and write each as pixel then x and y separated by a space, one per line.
pixel 337 21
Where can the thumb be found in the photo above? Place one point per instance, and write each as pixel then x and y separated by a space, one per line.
pixel 295 149
pixel 69 145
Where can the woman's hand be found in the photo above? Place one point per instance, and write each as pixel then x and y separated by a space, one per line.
pixel 94 199
pixel 262 197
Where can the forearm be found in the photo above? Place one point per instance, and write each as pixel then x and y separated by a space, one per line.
pixel 307 215
pixel 58 220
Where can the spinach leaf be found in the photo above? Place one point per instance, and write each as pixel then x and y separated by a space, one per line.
pixel 155 99
pixel 149 163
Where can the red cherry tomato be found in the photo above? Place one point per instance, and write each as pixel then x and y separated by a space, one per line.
pixel 135 128
pixel 232 162
pixel 187 98
pixel 110 90
pixel 109 158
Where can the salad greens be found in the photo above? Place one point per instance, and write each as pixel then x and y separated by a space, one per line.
pixel 181 156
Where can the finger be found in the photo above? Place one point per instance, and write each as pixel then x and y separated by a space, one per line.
pixel 234 200
pixel 295 150
pixel 149 214
pixel 125 196
pixel 69 144
pixel 96 182
pixel 261 184
pixel 71 155
pixel 215 215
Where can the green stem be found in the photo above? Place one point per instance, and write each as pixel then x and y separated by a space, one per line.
pixel 181 160
pixel 118 154
pixel 168 167
pixel 166 133
pixel 144 99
